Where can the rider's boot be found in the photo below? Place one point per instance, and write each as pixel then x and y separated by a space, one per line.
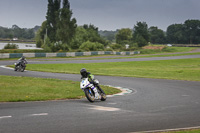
pixel 97 96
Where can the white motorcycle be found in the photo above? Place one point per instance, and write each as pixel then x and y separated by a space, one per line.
pixel 85 85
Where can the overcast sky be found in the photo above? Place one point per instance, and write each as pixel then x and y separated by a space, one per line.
pixel 104 14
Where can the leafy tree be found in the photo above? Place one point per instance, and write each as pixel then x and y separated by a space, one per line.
pixel 93 35
pixel 2 32
pixel 66 4
pixel 141 34
pixel 192 31
pixel 86 33
pixel 30 34
pixel 40 35
pixel 92 46
pixel 66 26
pixel 52 16
pixel 16 31
pixel 108 35
pixel 175 33
pixel 116 46
pixel 157 35
pixel 187 33
pixel 80 37
pixel 59 26
pixel 59 46
pixel 47 44
pixel 140 40
pixel 124 36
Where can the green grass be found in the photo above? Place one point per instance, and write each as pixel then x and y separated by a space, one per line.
pixel 137 56
pixel 184 131
pixel 166 50
pixel 180 69
pixel 16 89
pixel 178 49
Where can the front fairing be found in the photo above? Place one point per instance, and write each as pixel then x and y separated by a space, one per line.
pixel 84 83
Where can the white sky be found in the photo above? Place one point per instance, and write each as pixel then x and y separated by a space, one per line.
pixel 104 14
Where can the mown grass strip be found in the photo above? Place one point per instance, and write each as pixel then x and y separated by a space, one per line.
pixel 17 89
pixel 179 69
pixel 167 50
pixel 184 131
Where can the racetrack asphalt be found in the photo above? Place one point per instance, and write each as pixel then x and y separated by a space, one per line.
pixel 155 104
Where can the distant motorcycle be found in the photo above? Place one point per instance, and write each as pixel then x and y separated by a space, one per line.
pixel 20 66
pixel 85 85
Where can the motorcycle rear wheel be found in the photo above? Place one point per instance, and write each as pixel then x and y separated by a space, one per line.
pixel 22 69
pixel 103 95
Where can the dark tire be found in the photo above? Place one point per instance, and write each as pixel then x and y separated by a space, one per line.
pixel 89 94
pixel 22 69
pixel 18 68
pixel 15 69
pixel 103 95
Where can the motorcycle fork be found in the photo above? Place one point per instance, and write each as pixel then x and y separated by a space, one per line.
pixel 91 91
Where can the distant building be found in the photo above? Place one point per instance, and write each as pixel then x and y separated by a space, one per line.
pixel 15 39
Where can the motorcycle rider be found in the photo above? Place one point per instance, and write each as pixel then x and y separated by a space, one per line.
pixel 90 77
pixel 23 61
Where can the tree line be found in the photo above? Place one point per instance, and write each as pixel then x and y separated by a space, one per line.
pixel 17 32
pixel 186 33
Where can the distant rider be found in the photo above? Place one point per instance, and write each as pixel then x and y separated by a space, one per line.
pixel 22 61
pixel 90 77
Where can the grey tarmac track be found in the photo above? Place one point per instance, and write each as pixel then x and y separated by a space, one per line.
pixel 101 60
pixel 155 104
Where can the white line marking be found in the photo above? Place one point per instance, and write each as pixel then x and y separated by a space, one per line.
pixel 112 103
pixel 2 117
pixel 10 68
pixel 7 67
pixel 124 91
pixel 101 108
pixel 41 114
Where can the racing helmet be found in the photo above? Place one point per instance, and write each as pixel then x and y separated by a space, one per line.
pixel 23 57
pixel 84 73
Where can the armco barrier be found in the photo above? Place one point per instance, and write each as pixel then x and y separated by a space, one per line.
pixel 61 55
pixel 68 54
pixel 15 55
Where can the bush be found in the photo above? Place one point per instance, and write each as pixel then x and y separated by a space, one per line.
pixel 39 43
pixel 108 49
pixel 91 46
pixel 116 46
pixel 141 41
pixel 59 46
pixel 11 46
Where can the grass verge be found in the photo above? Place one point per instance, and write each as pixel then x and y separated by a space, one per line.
pixel 184 131
pixel 166 50
pixel 16 89
pixel 179 69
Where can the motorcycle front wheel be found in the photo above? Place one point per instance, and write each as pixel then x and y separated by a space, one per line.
pixel 89 94
pixel 15 69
